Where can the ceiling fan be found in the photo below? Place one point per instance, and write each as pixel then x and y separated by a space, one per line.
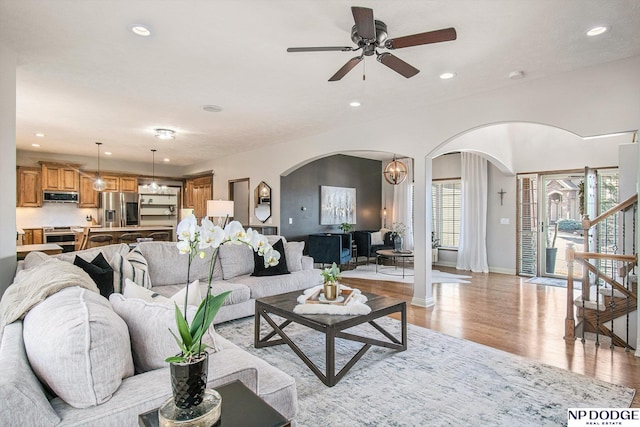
pixel 370 34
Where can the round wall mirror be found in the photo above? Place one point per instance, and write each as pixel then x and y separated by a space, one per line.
pixel 262 197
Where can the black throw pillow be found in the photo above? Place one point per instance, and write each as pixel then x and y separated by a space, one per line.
pixel 100 272
pixel 281 268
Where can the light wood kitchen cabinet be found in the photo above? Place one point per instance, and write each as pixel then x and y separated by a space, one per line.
pixel 197 192
pixel 112 182
pixel 29 188
pixel 33 236
pixel 128 184
pixel 88 197
pixel 59 177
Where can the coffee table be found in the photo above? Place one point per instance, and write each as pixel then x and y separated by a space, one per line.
pixel 333 326
pixel 389 253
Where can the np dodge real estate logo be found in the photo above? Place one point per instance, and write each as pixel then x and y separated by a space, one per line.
pixel 625 417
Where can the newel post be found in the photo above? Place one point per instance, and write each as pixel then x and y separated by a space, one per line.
pixel 570 322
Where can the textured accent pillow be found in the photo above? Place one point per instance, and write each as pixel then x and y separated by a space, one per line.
pixel 133 290
pixel 236 259
pixel 376 238
pixel 78 346
pixel 100 272
pixel 133 267
pixel 293 253
pixel 276 270
pixel 149 325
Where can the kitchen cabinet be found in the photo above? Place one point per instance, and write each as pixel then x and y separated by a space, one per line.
pixel 112 182
pixel 59 177
pixel 197 192
pixel 125 184
pixel 29 188
pixel 33 236
pixel 88 197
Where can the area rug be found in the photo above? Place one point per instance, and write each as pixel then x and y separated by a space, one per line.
pixel 439 381
pixel 553 281
pixel 394 274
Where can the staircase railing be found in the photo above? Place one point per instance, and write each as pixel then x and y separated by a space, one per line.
pixel 608 300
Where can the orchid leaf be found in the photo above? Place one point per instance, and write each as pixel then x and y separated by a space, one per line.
pixel 183 327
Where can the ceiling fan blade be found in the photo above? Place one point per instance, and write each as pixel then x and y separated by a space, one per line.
pixel 364 22
pixel 346 68
pixel 397 65
pixel 437 36
pixel 320 49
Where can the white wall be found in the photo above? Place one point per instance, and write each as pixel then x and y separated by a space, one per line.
pixel 8 62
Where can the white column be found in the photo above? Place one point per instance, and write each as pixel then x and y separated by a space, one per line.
pixel 422 288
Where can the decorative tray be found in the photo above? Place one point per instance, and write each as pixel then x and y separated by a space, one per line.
pixel 318 298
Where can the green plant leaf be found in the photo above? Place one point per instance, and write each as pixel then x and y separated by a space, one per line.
pixel 214 304
pixel 174 359
pixel 183 328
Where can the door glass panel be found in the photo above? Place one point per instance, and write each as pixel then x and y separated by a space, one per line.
pixel 527 225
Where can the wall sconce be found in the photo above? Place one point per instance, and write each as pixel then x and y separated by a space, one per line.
pixel 395 172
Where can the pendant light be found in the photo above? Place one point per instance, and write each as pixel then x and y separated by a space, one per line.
pixel 395 172
pixel 153 187
pixel 98 183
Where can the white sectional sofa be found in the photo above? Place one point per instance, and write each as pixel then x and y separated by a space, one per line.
pixel 26 395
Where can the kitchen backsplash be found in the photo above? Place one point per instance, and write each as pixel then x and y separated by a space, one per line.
pixel 54 214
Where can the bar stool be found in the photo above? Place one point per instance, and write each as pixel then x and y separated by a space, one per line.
pixel 129 238
pixel 99 240
pixel 161 236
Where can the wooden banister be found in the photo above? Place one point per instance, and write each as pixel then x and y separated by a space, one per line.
pixel 619 207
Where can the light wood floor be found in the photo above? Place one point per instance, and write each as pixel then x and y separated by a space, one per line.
pixel 505 312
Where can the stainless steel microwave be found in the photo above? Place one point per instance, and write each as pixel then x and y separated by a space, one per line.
pixel 60 196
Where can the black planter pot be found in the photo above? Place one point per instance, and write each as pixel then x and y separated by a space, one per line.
pixel 189 381
pixel 551 260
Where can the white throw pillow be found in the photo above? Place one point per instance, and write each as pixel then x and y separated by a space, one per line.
pixel 293 254
pixel 78 346
pixel 376 238
pixel 149 325
pixel 133 290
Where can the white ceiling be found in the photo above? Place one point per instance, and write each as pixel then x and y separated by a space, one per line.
pixel 84 77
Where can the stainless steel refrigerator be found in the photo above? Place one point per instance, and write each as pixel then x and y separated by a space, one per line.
pixel 118 209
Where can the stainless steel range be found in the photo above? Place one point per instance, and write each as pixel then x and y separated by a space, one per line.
pixel 63 236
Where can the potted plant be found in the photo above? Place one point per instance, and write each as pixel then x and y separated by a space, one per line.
pixel 346 227
pixel 331 276
pixel 435 244
pixel 189 367
pixel 397 232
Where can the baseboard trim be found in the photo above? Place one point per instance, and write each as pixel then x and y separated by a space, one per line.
pixel 422 302
pixel 498 270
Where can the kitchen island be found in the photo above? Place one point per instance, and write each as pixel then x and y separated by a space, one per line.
pixel 158 232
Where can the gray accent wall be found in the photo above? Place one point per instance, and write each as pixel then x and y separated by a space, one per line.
pixel 300 194
pixel 8 62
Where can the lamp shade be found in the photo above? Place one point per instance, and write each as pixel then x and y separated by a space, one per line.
pixel 219 208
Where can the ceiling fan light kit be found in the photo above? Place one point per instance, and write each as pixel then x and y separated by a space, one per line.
pixel 370 35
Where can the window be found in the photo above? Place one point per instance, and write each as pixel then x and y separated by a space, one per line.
pixel 446 212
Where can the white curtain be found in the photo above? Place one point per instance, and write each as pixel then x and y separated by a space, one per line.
pixel 472 248
pixel 403 204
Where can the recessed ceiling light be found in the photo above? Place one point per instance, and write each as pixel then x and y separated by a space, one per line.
pixel 140 30
pixel 166 160
pixel 35 145
pixel 446 76
pixel 515 75
pixel 39 135
pixel 165 134
pixel 354 103
pixel 596 31
pixel 211 108
pixel 107 153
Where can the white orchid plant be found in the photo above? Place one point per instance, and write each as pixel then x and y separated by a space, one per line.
pixel 193 240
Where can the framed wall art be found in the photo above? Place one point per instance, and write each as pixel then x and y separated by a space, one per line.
pixel 337 205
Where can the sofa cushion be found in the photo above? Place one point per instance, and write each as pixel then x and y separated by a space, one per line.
pixel 78 346
pixel 276 270
pixel 167 266
pixel 133 266
pixel 376 238
pixel 149 324
pixel 35 258
pixel 22 396
pixel 100 272
pixel 133 290
pixel 274 285
pixel 236 259
pixel 293 253
pixel 239 293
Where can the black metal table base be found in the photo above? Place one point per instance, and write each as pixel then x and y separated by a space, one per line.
pixel 331 332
